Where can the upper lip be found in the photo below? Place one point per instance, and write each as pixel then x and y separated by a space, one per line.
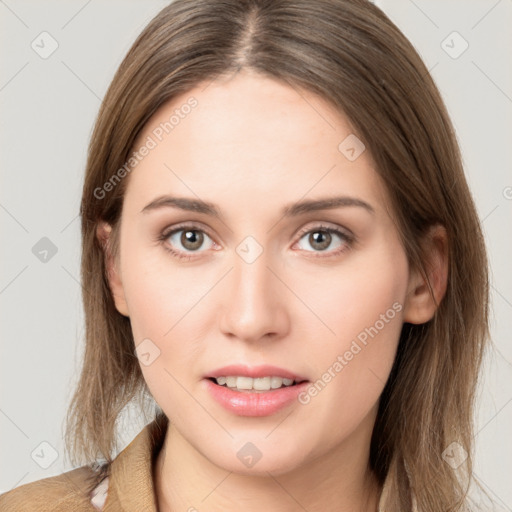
pixel 254 372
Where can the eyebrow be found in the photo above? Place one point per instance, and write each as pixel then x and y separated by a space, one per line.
pixel 292 210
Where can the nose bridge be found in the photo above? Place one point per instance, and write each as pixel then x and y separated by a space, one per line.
pixel 254 306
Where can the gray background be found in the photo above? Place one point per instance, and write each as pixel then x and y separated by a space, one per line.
pixel 48 107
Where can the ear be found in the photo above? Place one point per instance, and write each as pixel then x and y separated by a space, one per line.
pixel 420 306
pixel 103 232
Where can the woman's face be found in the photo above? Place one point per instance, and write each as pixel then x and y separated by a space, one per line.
pixel 257 277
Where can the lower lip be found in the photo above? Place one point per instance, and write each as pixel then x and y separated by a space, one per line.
pixel 261 403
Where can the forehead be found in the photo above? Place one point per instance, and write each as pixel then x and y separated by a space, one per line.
pixel 250 137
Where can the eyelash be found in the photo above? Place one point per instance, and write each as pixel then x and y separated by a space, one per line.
pixel 347 238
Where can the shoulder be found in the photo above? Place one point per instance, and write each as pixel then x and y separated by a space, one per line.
pixel 64 492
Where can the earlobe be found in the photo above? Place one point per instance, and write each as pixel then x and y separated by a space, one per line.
pixel 103 233
pixel 420 305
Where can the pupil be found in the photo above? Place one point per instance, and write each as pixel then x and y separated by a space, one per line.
pixel 316 238
pixel 192 239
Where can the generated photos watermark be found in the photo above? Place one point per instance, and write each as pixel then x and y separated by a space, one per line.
pixel 356 346
pixel 151 142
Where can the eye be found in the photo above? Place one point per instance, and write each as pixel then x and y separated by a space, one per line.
pixel 183 240
pixel 321 238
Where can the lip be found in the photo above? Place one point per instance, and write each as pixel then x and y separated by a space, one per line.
pixel 264 370
pixel 261 403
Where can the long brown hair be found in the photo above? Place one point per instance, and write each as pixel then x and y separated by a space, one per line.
pixel 349 53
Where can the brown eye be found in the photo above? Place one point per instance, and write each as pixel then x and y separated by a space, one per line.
pixel 191 240
pixel 322 238
pixel 187 240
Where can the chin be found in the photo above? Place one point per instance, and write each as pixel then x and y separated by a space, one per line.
pixel 257 458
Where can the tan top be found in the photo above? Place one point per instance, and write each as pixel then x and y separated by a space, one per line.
pixel 128 489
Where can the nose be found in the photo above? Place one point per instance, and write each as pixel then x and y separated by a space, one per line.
pixel 254 302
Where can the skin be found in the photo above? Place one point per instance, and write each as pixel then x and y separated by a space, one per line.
pixel 252 146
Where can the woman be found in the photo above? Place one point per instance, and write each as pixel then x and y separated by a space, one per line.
pixel 280 248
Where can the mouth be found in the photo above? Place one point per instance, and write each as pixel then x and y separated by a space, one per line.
pixel 245 384
pixel 254 390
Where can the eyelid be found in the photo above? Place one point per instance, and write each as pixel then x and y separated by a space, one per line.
pixel 319 226
pixel 178 254
pixel 191 226
pixel 348 240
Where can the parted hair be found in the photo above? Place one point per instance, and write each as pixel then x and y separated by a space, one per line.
pixel 349 53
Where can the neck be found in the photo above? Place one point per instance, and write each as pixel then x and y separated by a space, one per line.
pixel 340 481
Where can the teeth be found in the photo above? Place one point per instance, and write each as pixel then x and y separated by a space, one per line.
pixel 258 384
pixel 244 382
pixel 263 383
pixel 275 382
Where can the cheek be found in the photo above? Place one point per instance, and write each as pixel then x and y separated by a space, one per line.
pixel 365 293
pixel 161 297
pixel 363 307
pixel 163 309
pixel 168 319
